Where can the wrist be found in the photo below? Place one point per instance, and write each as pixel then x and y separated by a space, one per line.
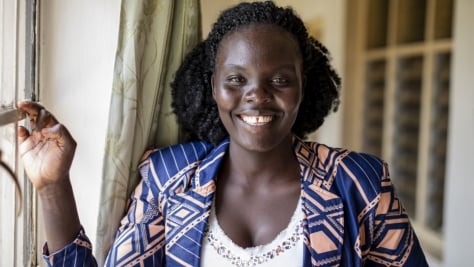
pixel 60 216
pixel 57 197
pixel 55 189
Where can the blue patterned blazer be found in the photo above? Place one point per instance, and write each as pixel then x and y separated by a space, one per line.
pixel 352 215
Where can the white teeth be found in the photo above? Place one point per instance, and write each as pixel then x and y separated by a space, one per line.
pixel 257 120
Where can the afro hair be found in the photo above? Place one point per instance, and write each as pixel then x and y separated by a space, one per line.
pixel 193 103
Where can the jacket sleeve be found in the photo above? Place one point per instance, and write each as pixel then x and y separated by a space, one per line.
pixel 141 236
pixel 139 240
pixel 77 253
pixel 394 242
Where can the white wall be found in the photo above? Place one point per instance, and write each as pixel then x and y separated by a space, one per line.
pixel 459 216
pixel 78 44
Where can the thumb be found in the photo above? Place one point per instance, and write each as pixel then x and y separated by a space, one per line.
pixel 22 134
pixel 25 143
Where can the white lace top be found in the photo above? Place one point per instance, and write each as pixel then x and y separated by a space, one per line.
pixel 286 249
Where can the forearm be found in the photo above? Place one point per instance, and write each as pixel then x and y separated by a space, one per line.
pixel 60 215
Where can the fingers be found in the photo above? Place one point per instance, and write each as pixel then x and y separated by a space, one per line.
pixel 45 119
pixel 44 127
pixel 38 116
pixel 31 145
pixel 60 134
pixel 23 134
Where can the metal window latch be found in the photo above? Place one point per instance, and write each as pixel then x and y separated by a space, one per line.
pixel 10 115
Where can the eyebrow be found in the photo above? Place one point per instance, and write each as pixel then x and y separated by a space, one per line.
pixel 240 67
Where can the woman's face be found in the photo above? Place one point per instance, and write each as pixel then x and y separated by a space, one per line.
pixel 257 85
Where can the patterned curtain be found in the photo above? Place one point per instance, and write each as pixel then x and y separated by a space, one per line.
pixel 154 36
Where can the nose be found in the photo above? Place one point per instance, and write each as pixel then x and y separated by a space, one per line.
pixel 258 93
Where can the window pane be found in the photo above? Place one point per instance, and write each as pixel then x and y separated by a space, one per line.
pixel 377 23
pixel 438 141
pixel 7 198
pixel 406 129
pixel 411 19
pixel 7 95
pixel 7 51
pixel 16 232
pixel 443 19
pixel 374 107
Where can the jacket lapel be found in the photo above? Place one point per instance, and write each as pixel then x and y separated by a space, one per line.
pixel 324 226
pixel 185 224
pixel 323 210
pixel 188 212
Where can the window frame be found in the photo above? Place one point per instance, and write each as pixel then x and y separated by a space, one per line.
pixel 364 48
pixel 24 28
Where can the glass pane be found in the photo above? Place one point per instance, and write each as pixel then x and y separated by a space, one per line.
pixel 411 19
pixel 438 143
pixel 406 129
pixel 7 96
pixel 7 52
pixel 374 107
pixel 7 198
pixel 377 23
pixel 15 248
pixel 443 19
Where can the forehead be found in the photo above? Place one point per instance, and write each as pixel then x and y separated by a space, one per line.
pixel 259 39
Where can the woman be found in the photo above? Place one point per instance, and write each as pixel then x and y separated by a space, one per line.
pixel 248 191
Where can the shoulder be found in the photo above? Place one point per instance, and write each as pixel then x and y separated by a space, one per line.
pixel 180 154
pixel 343 170
pixel 160 166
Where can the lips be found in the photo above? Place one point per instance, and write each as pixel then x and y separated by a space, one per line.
pixel 256 120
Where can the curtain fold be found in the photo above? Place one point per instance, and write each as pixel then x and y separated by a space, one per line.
pixel 154 37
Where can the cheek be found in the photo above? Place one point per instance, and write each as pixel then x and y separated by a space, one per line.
pixel 225 106
pixel 226 99
pixel 292 102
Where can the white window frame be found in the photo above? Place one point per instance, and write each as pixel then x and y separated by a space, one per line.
pixel 357 58
pixel 18 57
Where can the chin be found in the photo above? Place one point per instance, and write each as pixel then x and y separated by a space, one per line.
pixel 260 143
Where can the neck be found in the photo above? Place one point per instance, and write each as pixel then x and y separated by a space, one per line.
pixel 251 167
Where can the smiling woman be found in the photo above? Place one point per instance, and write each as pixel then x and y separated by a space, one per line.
pixel 246 187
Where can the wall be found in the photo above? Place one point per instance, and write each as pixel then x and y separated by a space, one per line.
pixel 78 44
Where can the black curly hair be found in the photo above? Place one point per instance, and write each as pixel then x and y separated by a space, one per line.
pixel 193 103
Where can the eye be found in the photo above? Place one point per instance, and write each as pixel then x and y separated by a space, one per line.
pixel 280 81
pixel 235 79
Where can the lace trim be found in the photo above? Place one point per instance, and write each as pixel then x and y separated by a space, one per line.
pixel 260 258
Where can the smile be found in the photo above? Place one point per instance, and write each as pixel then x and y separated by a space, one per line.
pixel 256 120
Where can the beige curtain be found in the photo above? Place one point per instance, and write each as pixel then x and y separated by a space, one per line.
pixel 154 36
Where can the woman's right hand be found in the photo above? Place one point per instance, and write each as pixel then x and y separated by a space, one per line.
pixel 48 150
pixel 47 153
